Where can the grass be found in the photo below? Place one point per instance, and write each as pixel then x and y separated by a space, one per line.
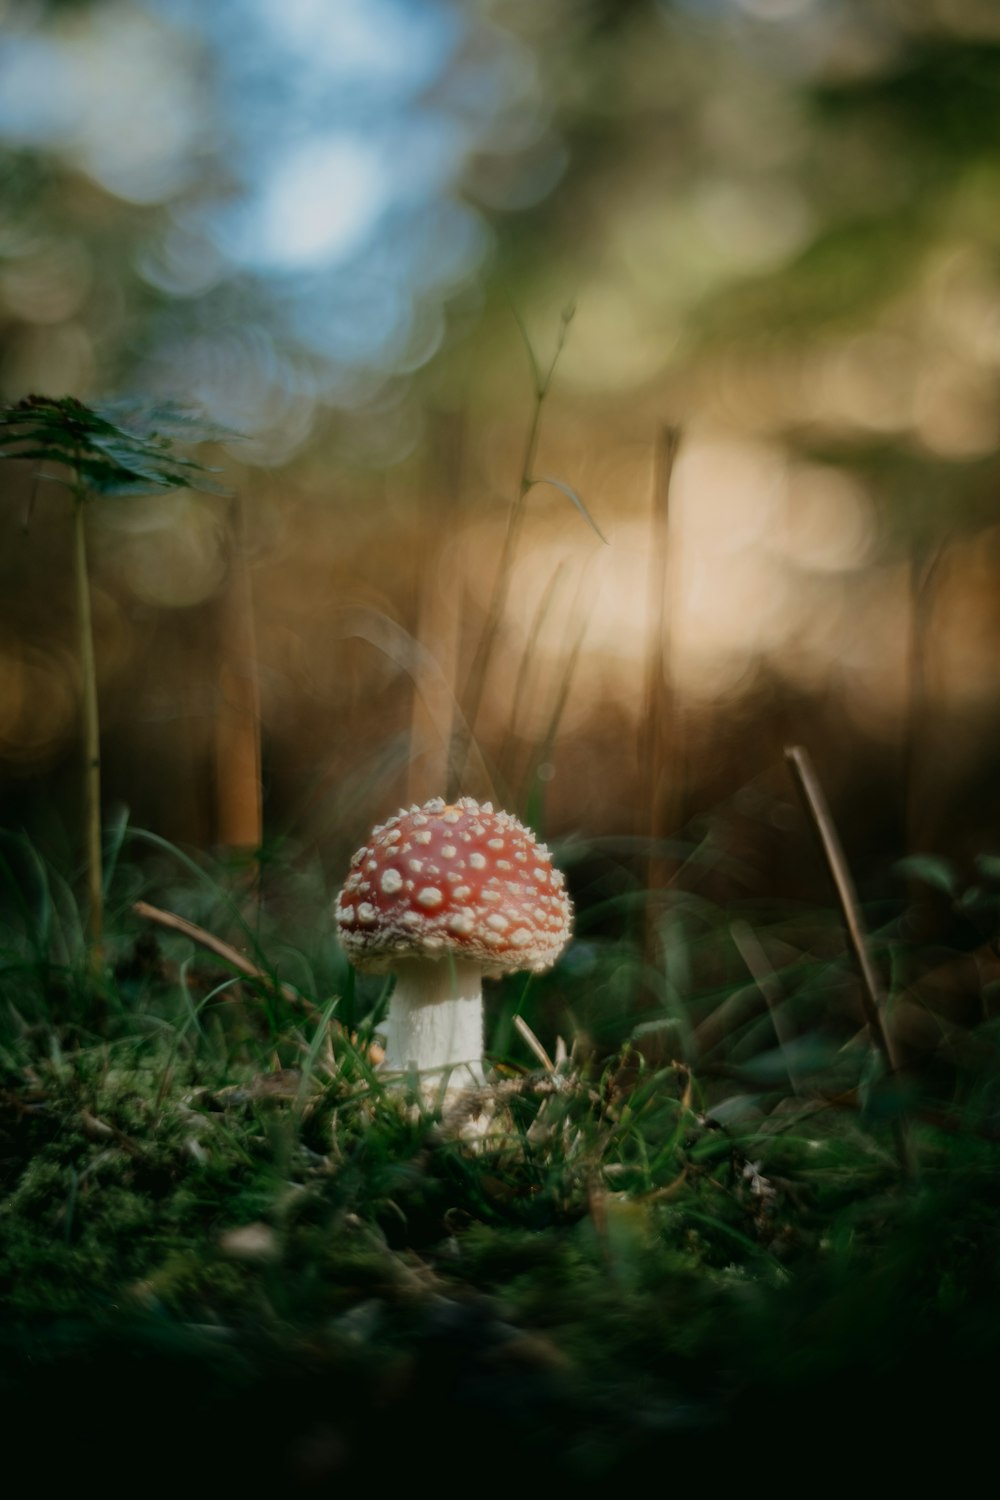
pixel 225 1244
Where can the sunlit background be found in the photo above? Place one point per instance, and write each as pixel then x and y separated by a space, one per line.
pixel 358 232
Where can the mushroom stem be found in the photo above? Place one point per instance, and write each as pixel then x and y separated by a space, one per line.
pixel 435 1021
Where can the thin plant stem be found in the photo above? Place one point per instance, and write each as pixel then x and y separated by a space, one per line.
pixel 663 766
pixel 873 999
pixel 661 744
pixel 476 681
pixel 433 725
pixel 91 729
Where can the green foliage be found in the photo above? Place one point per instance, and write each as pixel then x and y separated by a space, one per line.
pixel 207 1189
pixel 121 448
pixel 116 448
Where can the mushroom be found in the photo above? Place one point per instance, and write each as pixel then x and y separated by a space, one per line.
pixel 440 896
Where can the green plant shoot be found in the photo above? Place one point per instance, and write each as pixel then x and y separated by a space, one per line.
pixel 116 450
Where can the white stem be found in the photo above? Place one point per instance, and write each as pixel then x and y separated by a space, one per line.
pixel 435 1021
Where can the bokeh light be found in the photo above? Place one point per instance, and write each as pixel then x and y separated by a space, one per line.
pixel 336 228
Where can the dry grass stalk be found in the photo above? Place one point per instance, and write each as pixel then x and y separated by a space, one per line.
pixel 661 749
pixel 433 723
pixel 872 993
pixel 486 645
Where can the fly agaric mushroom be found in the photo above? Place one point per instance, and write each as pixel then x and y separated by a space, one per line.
pixel 441 896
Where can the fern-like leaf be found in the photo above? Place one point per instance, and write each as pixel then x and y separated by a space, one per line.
pixel 115 448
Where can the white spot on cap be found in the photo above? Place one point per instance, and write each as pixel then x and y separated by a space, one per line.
pixel 487 807
pixel 478 829
pixel 520 937
pixel 429 897
pixel 542 876
pixel 477 861
pixel 346 914
pixel 493 939
pixel 392 837
pixel 448 851
pixel 366 913
pixel 495 844
pixel 498 922
pixel 412 919
pixel 504 864
pixel 462 892
pixel 391 882
pixel 422 836
pixel 435 805
pixel 416 865
pixel 521 855
pixel 452 816
pixel 461 922
pixel 489 895
pixel 372 864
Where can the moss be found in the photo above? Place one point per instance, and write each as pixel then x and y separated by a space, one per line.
pixel 610 1276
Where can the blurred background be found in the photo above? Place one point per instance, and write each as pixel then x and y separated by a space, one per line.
pixel 721 276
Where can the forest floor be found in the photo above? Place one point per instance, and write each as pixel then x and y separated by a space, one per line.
pixel 229 1251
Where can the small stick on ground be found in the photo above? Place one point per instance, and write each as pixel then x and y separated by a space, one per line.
pixel 207 940
pixel 872 993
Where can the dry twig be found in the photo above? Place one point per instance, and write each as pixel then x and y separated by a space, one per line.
pixel 212 944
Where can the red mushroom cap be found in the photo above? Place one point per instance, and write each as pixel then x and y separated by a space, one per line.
pixel 459 879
